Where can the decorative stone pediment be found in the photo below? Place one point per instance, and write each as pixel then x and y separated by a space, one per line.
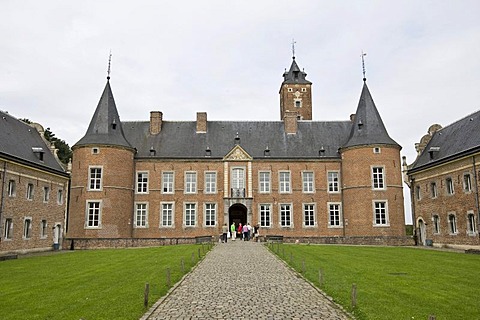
pixel 237 154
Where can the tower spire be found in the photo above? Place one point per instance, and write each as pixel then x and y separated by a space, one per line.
pixel 109 63
pixel 363 65
pixel 293 48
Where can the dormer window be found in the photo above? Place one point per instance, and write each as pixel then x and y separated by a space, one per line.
pixel 38 151
pixel 114 124
pixel 433 152
pixel 153 152
pixel 321 152
pixel 208 152
pixel 266 152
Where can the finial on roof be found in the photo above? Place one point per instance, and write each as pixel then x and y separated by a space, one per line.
pixel 109 63
pixel 363 65
pixel 293 48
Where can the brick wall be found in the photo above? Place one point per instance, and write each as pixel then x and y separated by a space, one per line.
pixel 18 208
pixel 460 203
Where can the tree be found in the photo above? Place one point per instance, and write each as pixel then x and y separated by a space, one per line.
pixel 64 152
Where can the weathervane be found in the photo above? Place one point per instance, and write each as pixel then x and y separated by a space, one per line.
pixel 363 65
pixel 109 63
pixel 293 48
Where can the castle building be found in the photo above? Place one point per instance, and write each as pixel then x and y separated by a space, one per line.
pixel 158 181
pixel 34 188
pixel 443 181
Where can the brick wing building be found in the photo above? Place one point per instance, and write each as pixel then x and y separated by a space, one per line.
pixel 157 181
pixel 34 187
pixel 444 184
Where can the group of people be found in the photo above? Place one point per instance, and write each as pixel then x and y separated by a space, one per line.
pixel 244 232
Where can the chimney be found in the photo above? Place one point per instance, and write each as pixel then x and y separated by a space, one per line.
pixel 352 117
pixel 201 122
pixel 290 122
pixel 156 118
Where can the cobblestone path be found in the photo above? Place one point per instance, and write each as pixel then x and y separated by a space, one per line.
pixel 243 280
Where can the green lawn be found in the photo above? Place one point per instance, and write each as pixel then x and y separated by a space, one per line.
pixel 392 282
pixel 94 284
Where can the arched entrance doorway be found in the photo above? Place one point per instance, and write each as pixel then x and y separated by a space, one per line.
pixel 422 231
pixel 237 213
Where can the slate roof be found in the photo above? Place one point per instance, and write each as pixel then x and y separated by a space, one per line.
pixel 453 141
pixel 295 75
pixel 178 139
pixel 105 127
pixel 368 126
pixel 17 140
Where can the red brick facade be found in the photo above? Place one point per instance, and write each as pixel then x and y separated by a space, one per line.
pixel 445 203
pixel 354 196
pixel 33 208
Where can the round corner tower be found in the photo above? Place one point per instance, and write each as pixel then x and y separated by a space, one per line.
pixel 371 176
pixel 102 179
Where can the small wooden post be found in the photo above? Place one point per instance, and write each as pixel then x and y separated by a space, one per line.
pixel 199 254
pixel 354 295
pixel 182 263
pixel 291 257
pixel 168 278
pixel 193 258
pixel 320 278
pixel 283 252
pixel 304 269
pixel 145 295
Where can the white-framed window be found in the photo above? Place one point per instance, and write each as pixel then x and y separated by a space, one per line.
pixel 433 190
pixel 449 186
pixel 378 178
pixel 377 150
pixel 8 229
pixel 190 214
pixel 12 188
pixel 304 89
pixel 418 192
pixel 308 182
pixel 298 103
pixel 264 183
pixel 93 214
pixel 210 182
pixel 60 196
pixel 309 215
pixel 210 214
pixel 334 214
pixel 471 223
pixel 95 150
pixel 190 182
pixel 166 218
pixel 452 223
pixel 380 213
pixel 46 194
pixel 333 181
pixel 467 182
pixel 286 214
pixel 167 182
pixel 95 178
pixel 284 182
pixel 30 191
pixel 265 215
pixel 436 224
pixel 141 215
pixel 142 182
pixel 290 89
pixel 43 229
pixel 27 228
pixel 238 182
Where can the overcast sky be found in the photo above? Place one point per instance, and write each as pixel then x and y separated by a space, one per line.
pixel 227 58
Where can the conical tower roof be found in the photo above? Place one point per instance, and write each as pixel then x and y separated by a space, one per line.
pixel 105 127
pixel 368 127
pixel 295 75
